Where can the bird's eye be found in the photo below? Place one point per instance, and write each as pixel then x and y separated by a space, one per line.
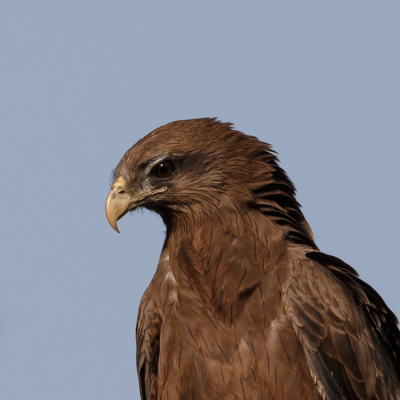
pixel 164 169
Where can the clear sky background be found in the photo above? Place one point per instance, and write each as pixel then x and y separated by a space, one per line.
pixel 82 81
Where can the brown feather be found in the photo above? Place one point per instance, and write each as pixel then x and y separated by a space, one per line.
pixel 243 305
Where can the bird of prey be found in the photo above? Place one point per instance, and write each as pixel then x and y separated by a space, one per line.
pixel 243 304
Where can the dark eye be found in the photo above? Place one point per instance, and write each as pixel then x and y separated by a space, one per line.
pixel 164 169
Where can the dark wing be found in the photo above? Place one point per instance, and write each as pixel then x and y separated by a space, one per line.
pixel 382 319
pixel 148 347
pixel 350 337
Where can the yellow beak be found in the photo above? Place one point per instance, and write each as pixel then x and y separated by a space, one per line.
pixel 119 201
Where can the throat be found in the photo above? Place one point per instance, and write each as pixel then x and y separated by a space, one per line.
pixel 210 255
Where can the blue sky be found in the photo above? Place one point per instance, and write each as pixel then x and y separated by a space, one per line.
pixel 82 81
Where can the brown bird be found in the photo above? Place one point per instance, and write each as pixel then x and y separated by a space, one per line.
pixel 243 305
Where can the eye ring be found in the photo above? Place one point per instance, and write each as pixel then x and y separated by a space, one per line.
pixel 163 169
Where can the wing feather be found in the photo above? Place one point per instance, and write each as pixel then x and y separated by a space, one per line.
pixel 346 351
pixel 148 347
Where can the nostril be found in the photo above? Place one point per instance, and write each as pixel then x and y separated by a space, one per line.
pixel 121 192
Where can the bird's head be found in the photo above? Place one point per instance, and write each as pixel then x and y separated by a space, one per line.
pixel 201 167
pixel 176 169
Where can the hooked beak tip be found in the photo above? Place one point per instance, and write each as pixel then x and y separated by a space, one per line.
pixel 114 226
pixel 116 205
pixel 119 202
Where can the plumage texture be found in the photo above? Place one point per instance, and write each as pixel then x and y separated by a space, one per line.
pixel 243 305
